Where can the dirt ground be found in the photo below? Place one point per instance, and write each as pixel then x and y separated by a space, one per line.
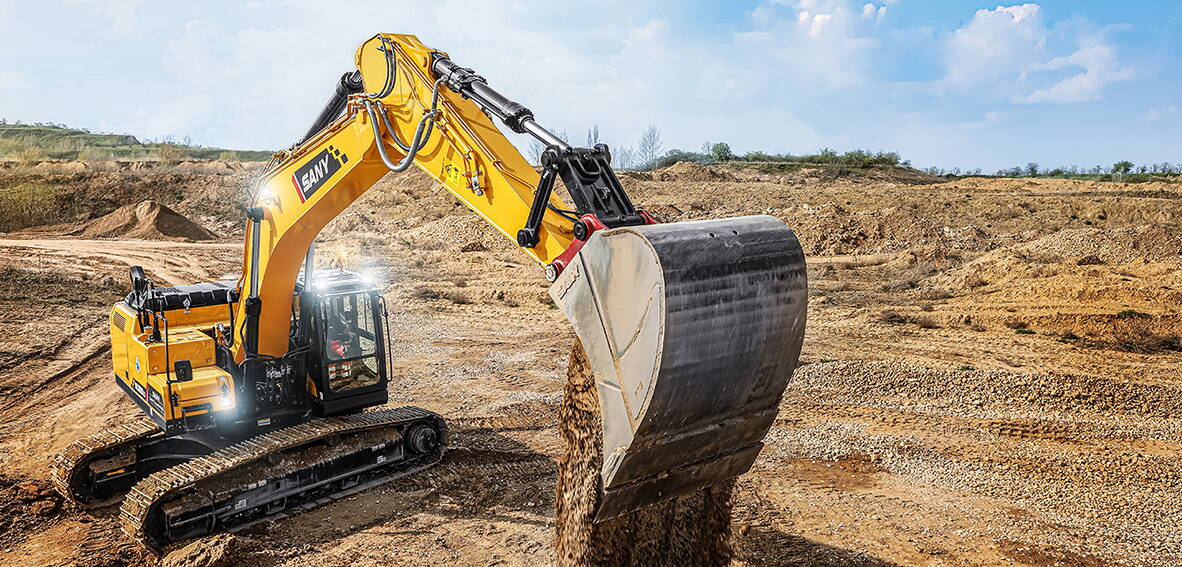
pixel 991 371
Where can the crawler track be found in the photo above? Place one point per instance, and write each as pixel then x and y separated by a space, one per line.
pixel 71 465
pixel 279 473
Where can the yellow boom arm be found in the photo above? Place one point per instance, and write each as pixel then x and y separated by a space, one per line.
pixel 314 182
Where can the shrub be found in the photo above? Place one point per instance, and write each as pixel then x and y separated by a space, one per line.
pixel 721 151
pixel 31 155
pixel 925 322
pixel 455 297
pixel 169 154
pixel 32 204
pixel 1133 314
pixel 891 317
pixel 1134 331
pixel 423 292
pixel 827 156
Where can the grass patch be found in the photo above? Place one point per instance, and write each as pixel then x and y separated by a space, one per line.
pixel 1131 331
pixel 925 322
pixel 892 317
pixel 1133 314
pixel 1137 333
pixel 424 293
pixel 33 204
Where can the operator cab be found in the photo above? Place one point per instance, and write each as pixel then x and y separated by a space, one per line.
pixel 343 324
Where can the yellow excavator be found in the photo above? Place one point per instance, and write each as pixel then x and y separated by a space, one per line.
pixel 257 389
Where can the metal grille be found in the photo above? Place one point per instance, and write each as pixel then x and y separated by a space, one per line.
pixel 118 319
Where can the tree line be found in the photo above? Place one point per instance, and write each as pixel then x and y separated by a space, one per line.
pixel 649 153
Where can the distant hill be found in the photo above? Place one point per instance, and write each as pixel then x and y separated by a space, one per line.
pixel 52 141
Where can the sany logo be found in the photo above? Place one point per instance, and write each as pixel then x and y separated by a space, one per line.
pixel 313 174
pixel 319 168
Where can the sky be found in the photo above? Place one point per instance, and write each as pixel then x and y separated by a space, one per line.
pixel 945 83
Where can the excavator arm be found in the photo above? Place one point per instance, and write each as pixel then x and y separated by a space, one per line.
pixel 691 329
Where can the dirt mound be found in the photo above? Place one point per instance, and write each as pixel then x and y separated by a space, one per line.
pixel 467 233
pixel 25 507
pixel 215 551
pixel 61 166
pixel 690 530
pixel 686 171
pixel 147 220
pixel 834 229
pixel 1114 245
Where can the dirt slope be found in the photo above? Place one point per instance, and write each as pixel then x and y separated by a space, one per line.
pixel 993 374
pixel 146 220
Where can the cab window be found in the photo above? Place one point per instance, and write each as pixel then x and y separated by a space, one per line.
pixel 350 342
pixel 349 325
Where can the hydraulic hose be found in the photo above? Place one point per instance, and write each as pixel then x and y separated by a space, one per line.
pixel 419 140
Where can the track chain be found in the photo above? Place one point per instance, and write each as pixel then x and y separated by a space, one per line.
pixel 158 486
pixel 78 453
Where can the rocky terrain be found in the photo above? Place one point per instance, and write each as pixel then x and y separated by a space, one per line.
pixel 992 368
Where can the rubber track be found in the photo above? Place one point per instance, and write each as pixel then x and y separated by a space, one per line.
pixel 79 453
pixel 162 484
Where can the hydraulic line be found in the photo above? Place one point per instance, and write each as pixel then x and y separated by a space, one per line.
pixel 417 142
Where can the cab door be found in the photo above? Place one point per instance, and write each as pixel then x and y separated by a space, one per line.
pixel 349 365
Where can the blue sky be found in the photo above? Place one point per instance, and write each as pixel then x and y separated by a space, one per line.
pixel 947 83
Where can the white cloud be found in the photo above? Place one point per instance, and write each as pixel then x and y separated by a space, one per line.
pixel 995 43
pixel 1098 67
pixel 1010 51
pixel 989 119
pixel 1160 113
pixel 822 44
pixel 872 12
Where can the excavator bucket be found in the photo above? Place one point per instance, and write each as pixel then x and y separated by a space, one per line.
pixel 692 331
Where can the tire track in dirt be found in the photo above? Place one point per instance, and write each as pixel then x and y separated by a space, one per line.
pixel 174 262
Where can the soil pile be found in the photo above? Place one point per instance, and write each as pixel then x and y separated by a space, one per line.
pixel 690 530
pixel 215 551
pixel 1116 245
pixel 686 171
pixel 146 220
pixel 25 507
pixel 834 229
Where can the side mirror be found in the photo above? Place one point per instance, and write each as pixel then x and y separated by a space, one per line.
pixel 183 371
